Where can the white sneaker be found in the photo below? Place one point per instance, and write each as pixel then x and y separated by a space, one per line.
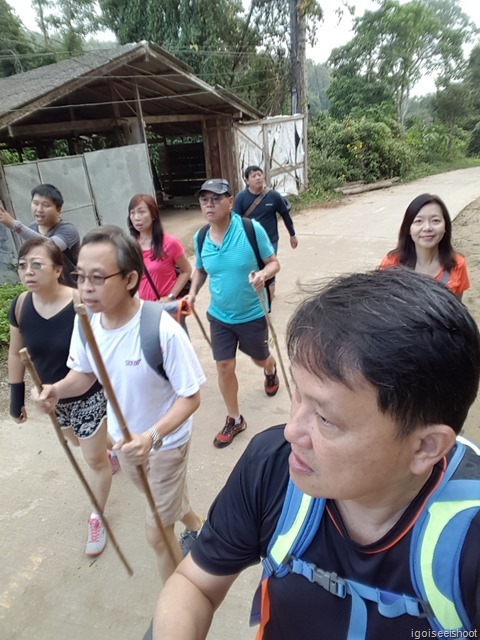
pixel 97 538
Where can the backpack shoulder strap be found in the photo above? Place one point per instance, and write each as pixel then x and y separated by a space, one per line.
pixel 201 238
pixel 19 305
pixel 298 523
pixel 252 239
pixel 296 527
pixel 437 540
pixel 150 336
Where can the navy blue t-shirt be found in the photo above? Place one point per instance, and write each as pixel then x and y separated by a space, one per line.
pixel 242 521
pixel 266 211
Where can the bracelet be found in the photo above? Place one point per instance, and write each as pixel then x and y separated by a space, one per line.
pixel 17 398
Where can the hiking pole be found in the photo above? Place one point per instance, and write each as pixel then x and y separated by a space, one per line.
pixel 25 357
pixel 112 399
pixel 275 341
pixel 202 328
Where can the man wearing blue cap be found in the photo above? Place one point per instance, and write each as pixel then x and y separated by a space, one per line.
pixel 225 253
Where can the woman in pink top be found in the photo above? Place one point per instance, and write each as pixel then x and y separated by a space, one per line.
pixel 162 253
pixel 425 244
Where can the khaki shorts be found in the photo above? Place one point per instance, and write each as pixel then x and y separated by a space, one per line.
pixel 167 477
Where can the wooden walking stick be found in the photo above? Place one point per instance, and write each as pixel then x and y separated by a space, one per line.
pixel 58 430
pixel 275 340
pixel 112 399
pixel 202 328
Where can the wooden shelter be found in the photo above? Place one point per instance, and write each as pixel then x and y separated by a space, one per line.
pixel 119 93
pixel 133 119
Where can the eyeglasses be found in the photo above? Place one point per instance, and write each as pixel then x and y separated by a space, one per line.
pixel 95 279
pixel 215 200
pixel 35 265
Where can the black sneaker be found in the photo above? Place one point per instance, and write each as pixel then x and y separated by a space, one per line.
pixel 229 431
pixel 271 383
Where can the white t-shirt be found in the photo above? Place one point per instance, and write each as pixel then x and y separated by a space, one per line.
pixel 142 394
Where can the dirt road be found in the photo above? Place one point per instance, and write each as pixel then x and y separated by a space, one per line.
pixel 48 589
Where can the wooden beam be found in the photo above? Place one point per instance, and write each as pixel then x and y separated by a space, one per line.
pixel 194 117
pixel 79 127
pixel 60 129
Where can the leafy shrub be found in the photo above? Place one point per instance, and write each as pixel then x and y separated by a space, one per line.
pixel 473 148
pixel 355 150
pixel 7 294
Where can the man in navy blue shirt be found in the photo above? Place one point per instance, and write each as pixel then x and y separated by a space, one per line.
pixel 262 204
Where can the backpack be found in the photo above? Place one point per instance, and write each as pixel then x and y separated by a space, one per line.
pixel 149 332
pixel 437 539
pixel 252 239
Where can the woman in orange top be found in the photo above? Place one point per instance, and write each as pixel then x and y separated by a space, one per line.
pixel 425 244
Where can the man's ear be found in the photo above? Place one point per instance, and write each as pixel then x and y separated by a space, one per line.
pixel 431 444
pixel 132 279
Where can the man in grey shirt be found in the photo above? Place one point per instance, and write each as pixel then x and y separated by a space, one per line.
pixel 47 202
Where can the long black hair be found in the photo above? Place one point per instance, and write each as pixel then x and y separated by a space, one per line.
pixel 157 229
pixel 405 251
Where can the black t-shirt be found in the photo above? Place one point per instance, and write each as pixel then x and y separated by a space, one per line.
pixel 242 521
pixel 47 341
pixel 266 211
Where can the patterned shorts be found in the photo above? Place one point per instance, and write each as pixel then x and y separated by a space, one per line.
pixel 84 416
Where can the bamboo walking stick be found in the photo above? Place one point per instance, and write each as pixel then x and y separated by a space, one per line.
pixel 25 357
pixel 112 399
pixel 202 328
pixel 275 340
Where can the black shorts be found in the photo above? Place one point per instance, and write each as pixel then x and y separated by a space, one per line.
pixel 250 337
pixel 83 416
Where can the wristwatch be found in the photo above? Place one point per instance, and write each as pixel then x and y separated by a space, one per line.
pixel 157 439
pixel 171 297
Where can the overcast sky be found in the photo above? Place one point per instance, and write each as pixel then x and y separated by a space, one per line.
pixel 331 32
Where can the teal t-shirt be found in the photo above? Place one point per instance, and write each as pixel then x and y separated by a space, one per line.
pixel 232 299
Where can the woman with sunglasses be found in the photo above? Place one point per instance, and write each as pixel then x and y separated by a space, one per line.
pixel 425 244
pixel 41 319
pixel 167 269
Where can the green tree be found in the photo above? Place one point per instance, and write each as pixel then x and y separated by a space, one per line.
pixel 318 81
pixel 243 50
pixel 15 48
pixel 349 94
pixel 399 43
pixel 472 79
pixel 69 21
pixel 453 105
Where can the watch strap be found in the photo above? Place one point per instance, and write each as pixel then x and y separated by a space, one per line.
pixel 157 439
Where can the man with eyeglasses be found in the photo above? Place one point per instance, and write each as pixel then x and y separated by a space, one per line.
pixel 46 206
pixel 157 409
pixel 235 312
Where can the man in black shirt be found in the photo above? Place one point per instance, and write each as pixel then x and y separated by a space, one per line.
pixel 262 204
pixel 386 366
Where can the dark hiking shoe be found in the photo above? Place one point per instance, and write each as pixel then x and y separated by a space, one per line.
pixel 271 383
pixel 229 431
